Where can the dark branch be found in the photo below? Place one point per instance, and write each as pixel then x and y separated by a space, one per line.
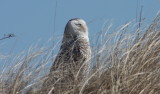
pixel 8 36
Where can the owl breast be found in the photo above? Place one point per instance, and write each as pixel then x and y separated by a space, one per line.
pixel 81 51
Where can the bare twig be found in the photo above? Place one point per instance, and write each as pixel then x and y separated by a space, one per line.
pixel 8 36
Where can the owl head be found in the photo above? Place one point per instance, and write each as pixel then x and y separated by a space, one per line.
pixel 76 28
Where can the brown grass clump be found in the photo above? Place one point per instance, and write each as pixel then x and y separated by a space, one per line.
pixel 128 65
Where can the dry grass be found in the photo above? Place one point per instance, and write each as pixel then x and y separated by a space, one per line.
pixel 128 65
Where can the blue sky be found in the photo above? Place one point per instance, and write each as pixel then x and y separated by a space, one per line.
pixel 33 21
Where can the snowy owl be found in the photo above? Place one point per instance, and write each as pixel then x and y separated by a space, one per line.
pixel 75 48
pixel 73 60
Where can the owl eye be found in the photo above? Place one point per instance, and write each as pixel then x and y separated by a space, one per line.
pixel 79 25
